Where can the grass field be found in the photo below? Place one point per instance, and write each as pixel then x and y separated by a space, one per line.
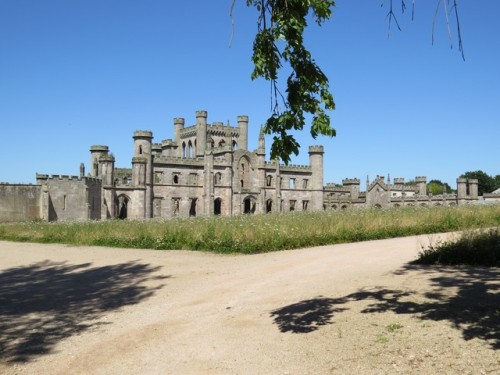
pixel 257 233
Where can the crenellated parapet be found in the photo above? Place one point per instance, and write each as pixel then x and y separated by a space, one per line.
pixel 399 181
pixel 148 134
pixel 63 177
pixel 350 181
pixel 316 149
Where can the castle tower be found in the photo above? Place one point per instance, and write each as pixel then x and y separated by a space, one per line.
pixel 473 190
pixel 142 165
pixel 178 126
pixel 95 153
pixel 461 188
pixel 107 168
pixel 201 132
pixel 353 185
pixel 421 182
pixel 243 126
pixel 316 162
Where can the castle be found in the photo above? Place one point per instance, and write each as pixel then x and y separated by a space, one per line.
pixel 205 170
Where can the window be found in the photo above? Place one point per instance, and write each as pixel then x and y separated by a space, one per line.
pixel 218 179
pixel 292 183
pixel 292 205
pixel 175 178
pixel 269 180
pixel 304 183
pixel 305 204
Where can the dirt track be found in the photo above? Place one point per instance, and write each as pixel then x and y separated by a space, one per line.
pixel 344 309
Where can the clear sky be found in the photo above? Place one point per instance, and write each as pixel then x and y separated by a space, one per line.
pixel 83 72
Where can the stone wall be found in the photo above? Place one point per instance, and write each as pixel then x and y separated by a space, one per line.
pixel 19 202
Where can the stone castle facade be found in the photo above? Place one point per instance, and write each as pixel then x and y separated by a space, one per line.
pixel 205 170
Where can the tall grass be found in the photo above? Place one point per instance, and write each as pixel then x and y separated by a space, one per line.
pixel 257 233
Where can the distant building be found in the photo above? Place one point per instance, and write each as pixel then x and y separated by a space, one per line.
pixel 205 170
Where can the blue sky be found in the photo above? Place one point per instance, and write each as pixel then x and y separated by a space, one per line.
pixel 84 72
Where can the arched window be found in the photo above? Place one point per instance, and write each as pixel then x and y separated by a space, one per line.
pixel 183 149
pixel 222 143
pixel 140 149
pixel 235 146
pixel 190 149
pixel 218 178
pixel 217 206
pixel 269 205
pixel 269 180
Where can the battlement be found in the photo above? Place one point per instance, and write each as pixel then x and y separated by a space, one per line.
pixel 63 177
pixel 295 167
pixel 421 179
pixel 99 148
pixel 106 157
pixel 242 118
pixel 139 160
pixel 316 149
pixel 350 181
pixel 461 180
pixel 179 121
pixel 399 181
pixel 143 134
pixel 202 113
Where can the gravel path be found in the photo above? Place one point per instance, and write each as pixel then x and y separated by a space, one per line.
pixel 344 309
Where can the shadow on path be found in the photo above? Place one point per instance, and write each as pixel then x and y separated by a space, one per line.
pixel 46 302
pixel 467 297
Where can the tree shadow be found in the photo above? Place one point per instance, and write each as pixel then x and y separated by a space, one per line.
pixel 44 303
pixel 467 297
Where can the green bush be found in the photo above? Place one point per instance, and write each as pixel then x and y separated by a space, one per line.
pixel 472 248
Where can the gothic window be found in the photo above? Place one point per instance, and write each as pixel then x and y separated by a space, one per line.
pixel 222 143
pixel 176 202
pixel 183 149
pixel 269 180
pixel 244 172
pixel 292 183
pixel 192 208
pixel 304 183
pixel 235 146
pixel 217 206
pixel 190 149
pixel 218 179
pixel 305 204
pixel 269 205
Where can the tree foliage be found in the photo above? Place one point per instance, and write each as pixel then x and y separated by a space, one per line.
pixel 279 44
pixel 436 187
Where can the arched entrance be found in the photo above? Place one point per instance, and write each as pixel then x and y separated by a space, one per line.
pixel 217 206
pixel 269 205
pixel 249 204
pixel 121 203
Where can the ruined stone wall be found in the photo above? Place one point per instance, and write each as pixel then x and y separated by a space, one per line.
pixel 72 198
pixel 19 202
